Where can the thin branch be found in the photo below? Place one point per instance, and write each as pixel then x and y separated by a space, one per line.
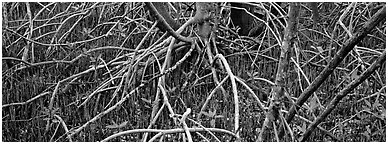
pixel 26 102
pixel 341 54
pixel 184 125
pixel 343 93
pixel 234 89
pixel 170 131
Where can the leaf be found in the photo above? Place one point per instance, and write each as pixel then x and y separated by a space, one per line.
pixel 45 111
pixel 256 74
pixel 365 108
pixel 123 124
pixel 354 75
pixel 92 59
pixel 113 126
pixel 212 113
pixel 207 114
pixel 341 127
pixel 320 49
pixel 300 138
pixel 213 123
pixel 376 133
pixel 376 105
pixel 368 129
pixel 366 135
pixel 123 34
pixel 146 100
pixel 75 7
pixel 119 27
pixel 367 103
pixel 84 50
pixel 313 104
pixel 86 31
pixel 98 57
pixel 299 128
pixel 382 115
pixel 249 74
pixel 91 36
pixel 219 116
pixel 304 127
pixel 55 121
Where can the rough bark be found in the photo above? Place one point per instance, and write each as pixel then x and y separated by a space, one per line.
pixel 277 93
pixel 341 54
pixel 343 93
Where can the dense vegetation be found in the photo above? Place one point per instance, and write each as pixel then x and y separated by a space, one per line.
pixel 105 71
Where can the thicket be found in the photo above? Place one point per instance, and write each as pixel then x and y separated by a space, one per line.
pixel 104 71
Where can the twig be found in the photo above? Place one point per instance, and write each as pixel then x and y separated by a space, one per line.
pixel 307 80
pixel 206 129
pixel 275 131
pixel 234 88
pixel 26 102
pixel 284 122
pixel 29 35
pixel 170 131
pixel 51 104
pixel 214 73
pixel 59 44
pixel 16 59
pixel 105 84
pixel 63 125
pixel 210 96
pixel 132 67
pixel 354 116
pixel 184 125
pixel 343 16
pixel 251 91
pixel 153 122
pixel 319 127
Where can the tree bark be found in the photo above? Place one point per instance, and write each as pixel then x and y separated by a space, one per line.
pixel 341 54
pixel 342 94
pixel 277 93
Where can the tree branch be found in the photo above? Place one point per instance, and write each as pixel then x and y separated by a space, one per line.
pixel 343 93
pixel 341 54
pixel 166 25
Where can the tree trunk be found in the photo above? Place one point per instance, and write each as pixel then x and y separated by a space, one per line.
pixel 278 89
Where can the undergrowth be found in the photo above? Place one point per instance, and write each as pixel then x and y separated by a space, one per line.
pixel 92 70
